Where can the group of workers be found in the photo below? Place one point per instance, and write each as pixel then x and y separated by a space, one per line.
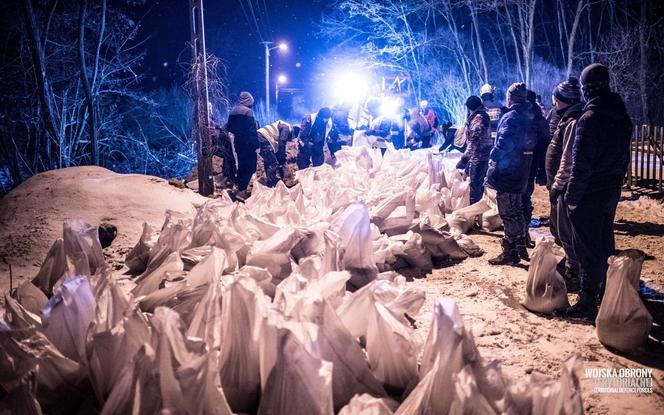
pixel 579 150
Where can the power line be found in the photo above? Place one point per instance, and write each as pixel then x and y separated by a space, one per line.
pixel 253 15
pixel 246 16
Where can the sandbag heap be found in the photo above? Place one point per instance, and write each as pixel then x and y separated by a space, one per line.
pixel 286 304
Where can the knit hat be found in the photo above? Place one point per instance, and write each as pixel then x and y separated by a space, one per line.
pixel 517 93
pixel 568 91
pixel 246 99
pixel 595 79
pixel 323 113
pixel 531 96
pixel 473 102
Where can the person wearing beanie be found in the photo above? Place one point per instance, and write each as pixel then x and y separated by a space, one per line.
pixel 313 133
pixel 494 109
pixel 567 104
pixel 538 140
pixel 508 172
pixel 242 124
pixel 600 157
pixel 475 159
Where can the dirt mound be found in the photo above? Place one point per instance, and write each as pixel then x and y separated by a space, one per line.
pixel 31 215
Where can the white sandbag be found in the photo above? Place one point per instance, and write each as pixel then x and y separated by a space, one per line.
pixel 262 277
pixel 440 244
pixel 414 251
pixel 463 220
pixel 111 350
pixel 30 297
pixel 193 256
pixel 366 404
pixel 152 279
pixel 22 399
pixel 81 237
pixel 175 236
pixel 53 267
pixel 352 226
pixel 206 322
pixel 18 317
pixel 623 322
pixel 467 397
pixel 299 383
pixel 67 316
pixel 209 270
pixel 545 287
pixel 240 372
pixel 469 246
pixel 111 303
pixel 558 397
pixel 273 254
pixel 25 350
pixel 391 348
pixel 137 259
pixel 491 220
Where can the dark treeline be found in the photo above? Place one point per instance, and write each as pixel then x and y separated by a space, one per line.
pixel 71 90
pixel 449 48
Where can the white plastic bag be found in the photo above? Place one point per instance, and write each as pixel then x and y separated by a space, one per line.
pixel 53 267
pixel 366 404
pixel 623 322
pixel 67 316
pixel 298 383
pixel 545 287
pixel 81 237
pixel 137 259
pixel 352 226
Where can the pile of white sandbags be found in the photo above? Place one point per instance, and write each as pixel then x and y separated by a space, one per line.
pixel 283 305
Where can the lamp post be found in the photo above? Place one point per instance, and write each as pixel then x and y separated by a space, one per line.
pixel 281 79
pixel 280 46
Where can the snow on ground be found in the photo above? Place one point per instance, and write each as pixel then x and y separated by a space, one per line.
pixel 31 219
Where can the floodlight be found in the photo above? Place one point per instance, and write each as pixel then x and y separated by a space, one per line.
pixel 282 79
pixel 350 87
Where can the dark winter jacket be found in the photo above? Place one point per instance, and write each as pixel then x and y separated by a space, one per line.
pixel 313 130
pixel 495 110
pixel 601 150
pixel 478 138
pixel 419 134
pixel 242 124
pixel 340 131
pixel 510 157
pixel 539 140
pixel 554 152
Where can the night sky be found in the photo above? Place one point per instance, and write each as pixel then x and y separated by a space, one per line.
pixel 233 39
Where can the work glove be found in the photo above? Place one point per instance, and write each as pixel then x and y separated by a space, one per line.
pixel 554 194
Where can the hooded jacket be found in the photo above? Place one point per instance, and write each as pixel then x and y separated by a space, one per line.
pixel 509 165
pixel 242 124
pixel 601 150
pixel 565 128
pixel 478 138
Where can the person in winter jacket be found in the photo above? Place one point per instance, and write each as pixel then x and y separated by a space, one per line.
pixel 273 138
pixel 539 140
pixel 243 126
pixel 341 133
pixel 419 131
pixel 600 157
pixel 508 172
pixel 475 159
pixel 494 109
pixel 430 115
pixel 313 133
pixel 567 103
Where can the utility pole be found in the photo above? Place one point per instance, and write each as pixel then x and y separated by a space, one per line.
pixel 267 76
pixel 201 99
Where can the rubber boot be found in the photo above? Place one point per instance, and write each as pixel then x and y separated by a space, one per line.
pixel 572 281
pixel 529 242
pixel 521 249
pixel 509 256
pixel 584 309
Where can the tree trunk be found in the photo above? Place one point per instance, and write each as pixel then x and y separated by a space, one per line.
pixel 44 90
pixel 480 49
pixel 516 44
pixel 94 152
pixel 572 36
pixel 643 62
pixel 100 40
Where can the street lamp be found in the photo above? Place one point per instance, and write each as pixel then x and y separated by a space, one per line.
pixel 281 79
pixel 281 46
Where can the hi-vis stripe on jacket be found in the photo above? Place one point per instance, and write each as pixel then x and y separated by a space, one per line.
pixel 271 133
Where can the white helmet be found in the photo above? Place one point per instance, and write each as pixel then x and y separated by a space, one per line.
pixel 487 89
pixel 424 104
